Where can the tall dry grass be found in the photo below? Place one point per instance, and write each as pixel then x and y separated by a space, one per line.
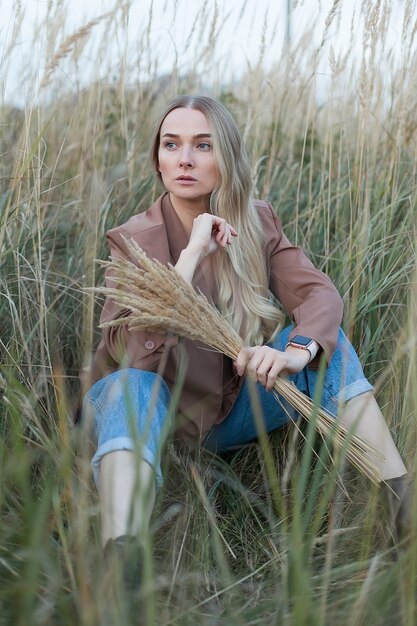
pixel 264 534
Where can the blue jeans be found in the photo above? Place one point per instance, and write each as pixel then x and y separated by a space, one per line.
pixel 131 407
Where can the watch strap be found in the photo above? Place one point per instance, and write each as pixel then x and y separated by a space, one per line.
pixel 312 347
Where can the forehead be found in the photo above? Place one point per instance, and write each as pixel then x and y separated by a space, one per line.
pixel 185 122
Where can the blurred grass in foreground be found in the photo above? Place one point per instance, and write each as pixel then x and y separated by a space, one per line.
pixel 265 534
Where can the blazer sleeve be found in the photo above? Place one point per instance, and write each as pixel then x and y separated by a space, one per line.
pixel 307 295
pixel 141 349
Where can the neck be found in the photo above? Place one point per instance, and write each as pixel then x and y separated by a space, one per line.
pixel 188 210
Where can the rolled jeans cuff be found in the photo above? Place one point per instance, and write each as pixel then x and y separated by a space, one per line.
pixel 356 388
pixel 125 443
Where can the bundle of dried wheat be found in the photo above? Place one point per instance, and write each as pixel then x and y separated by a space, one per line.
pixel 161 300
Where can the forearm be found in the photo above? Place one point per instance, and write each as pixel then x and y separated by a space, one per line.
pixel 188 261
pixel 297 359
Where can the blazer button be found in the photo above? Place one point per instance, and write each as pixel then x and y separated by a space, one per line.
pixel 149 345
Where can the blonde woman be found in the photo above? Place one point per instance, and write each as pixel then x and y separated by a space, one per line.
pixel 232 247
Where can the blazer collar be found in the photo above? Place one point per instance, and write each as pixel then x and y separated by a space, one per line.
pixel 176 234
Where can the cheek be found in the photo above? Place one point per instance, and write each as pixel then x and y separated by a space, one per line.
pixel 163 163
pixel 160 161
pixel 210 168
pixel 215 173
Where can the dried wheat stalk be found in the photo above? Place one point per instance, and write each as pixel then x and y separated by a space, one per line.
pixel 161 300
pixel 67 46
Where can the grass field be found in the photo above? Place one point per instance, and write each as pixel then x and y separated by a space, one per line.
pixel 236 540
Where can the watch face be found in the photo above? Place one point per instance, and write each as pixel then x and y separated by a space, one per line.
pixel 301 340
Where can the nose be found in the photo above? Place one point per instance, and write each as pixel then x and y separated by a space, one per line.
pixel 186 159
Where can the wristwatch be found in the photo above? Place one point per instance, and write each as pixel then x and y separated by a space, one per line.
pixel 304 343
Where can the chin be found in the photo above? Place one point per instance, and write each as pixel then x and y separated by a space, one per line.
pixel 189 196
pixel 184 194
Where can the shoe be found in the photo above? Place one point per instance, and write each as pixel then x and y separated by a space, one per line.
pixel 126 555
pixel 399 493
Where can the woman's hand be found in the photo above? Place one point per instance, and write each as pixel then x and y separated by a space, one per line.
pixel 263 364
pixel 210 232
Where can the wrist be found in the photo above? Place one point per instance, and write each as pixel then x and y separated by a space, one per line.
pixel 187 263
pixel 298 359
pixel 304 344
pixel 193 253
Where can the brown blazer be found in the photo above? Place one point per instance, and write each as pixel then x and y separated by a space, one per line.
pixel 211 385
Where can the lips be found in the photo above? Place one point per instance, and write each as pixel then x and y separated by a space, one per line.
pixel 185 178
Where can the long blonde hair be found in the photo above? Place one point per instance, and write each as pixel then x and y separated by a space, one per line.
pixel 242 276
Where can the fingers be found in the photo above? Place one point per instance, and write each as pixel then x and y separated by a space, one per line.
pixel 212 232
pixel 272 375
pixel 243 357
pixel 224 231
pixel 262 364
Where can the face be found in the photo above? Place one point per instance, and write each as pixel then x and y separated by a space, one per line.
pixel 186 159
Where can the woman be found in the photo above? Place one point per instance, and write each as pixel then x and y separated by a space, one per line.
pixel 233 248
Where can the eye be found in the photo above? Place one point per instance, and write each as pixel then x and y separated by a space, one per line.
pixel 204 146
pixel 169 144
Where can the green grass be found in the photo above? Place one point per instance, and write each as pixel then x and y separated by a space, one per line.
pixel 267 534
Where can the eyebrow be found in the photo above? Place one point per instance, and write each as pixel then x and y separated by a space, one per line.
pixel 194 136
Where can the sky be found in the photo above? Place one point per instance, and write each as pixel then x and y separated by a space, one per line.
pixel 241 25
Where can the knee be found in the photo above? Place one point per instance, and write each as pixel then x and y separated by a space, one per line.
pixel 132 385
pixel 280 340
pixel 152 387
pixel 129 396
pixel 344 349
